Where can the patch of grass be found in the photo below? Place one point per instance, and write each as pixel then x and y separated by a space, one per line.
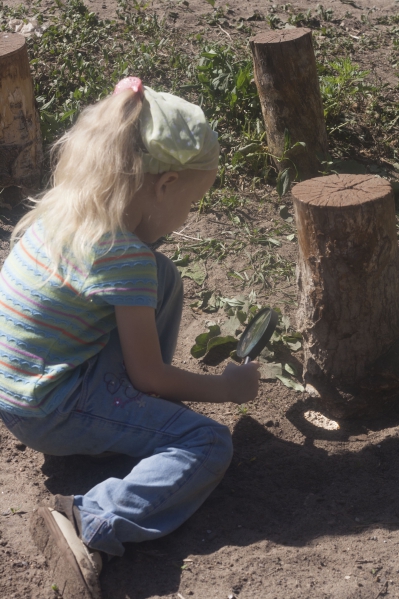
pixel 223 200
pixel 80 57
pixel 342 84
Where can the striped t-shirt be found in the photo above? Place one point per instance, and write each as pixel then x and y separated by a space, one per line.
pixel 48 330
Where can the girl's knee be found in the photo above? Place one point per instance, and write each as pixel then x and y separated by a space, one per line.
pixel 222 448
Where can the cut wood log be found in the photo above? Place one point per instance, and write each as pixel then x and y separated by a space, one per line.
pixel 286 77
pixel 348 283
pixel 20 138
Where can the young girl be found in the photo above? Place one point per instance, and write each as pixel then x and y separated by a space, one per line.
pixel 89 318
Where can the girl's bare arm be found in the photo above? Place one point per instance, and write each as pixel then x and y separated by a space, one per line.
pixel 148 373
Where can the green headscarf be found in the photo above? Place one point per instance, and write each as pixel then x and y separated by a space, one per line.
pixel 176 135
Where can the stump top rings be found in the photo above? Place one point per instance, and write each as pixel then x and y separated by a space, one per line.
pixel 10 43
pixel 342 190
pixel 282 35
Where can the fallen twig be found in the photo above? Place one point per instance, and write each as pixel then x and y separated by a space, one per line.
pixel 187 236
pixel 383 590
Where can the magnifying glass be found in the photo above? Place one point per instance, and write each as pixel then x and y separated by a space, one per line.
pixel 257 334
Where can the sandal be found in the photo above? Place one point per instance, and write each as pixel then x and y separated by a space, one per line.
pixel 74 567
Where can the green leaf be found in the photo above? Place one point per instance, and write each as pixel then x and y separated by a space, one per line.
pixel 220 348
pixel 291 384
pixel 285 321
pixel 293 345
pixel 197 351
pixel 252 147
pixel 213 303
pixel 195 271
pixel 242 316
pixel 214 330
pixel 287 140
pixel 181 260
pixel 270 370
pixel 235 275
pixel 290 369
pixel 203 338
pixel 231 326
pixel 293 341
pixel 273 241
pixel 201 341
pixel 215 341
pixel 266 355
pixel 283 182
pixel 241 79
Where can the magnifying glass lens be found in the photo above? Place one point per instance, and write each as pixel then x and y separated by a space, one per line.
pixel 254 333
pixel 257 334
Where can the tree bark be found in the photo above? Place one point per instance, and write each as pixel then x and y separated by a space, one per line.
pixel 286 77
pixel 20 138
pixel 348 282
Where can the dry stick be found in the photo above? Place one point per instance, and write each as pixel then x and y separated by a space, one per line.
pixel 273 571
pixel 187 236
pixel 226 32
pixel 383 590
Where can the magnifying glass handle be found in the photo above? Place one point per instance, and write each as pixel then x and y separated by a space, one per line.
pixel 247 360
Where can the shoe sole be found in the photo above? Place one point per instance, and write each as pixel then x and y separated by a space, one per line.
pixel 64 552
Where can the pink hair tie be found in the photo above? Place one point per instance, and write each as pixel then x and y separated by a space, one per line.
pixel 133 83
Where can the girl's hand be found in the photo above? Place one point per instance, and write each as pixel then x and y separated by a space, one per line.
pixel 143 360
pixel 242 381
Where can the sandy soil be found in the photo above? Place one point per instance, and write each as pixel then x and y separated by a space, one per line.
pixel 302 512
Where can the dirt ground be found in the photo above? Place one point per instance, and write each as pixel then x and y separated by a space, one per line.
pixel 302 513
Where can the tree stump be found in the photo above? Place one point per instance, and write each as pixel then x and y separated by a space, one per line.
pixel 348 282
pixel 286 77
pixel 20 138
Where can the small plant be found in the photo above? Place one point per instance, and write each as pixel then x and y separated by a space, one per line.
pixel 326 14
pixel 341 83
pixel 14 510
pixel 289 173
pixel 243 410
pixel 226 84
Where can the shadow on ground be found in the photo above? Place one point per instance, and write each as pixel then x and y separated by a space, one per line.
pixel 274 490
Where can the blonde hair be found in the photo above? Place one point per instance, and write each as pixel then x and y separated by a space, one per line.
pixel 98 169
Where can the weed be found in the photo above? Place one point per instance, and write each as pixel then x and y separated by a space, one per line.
pixel 221 199
pixel 226 85
pixel 341 83
pixel 325 14
pixel 243 410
